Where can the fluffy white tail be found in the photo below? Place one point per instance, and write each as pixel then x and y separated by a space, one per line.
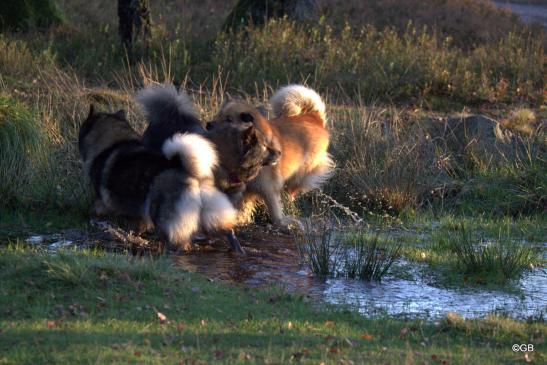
pixel 293 100
pixel 216 210
pixel 162 102
pixel 197 154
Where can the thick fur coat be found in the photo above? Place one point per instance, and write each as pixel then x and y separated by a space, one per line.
pixel 299 131
pixel 172 189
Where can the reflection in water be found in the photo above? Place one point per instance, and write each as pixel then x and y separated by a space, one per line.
pixel 272 259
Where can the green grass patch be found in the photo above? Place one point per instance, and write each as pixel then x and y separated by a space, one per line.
pixel 369 257
pixel 382 64
pixel 23 155
pixel 517 188
pixel 468 255
pixel 503 260
pixel 84 307
pixel 20 223
pixel 346 252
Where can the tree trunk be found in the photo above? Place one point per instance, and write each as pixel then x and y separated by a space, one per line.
pixel 133 21
pixel 247 12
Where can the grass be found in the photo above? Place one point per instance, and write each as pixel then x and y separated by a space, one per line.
pixel 387 161
pixel 33 14
pixel 382 64
pixel 397 161
pixel 369 257
pixel 82 307
pixel 384 88
pixel 23 150
pixel 458 254
pixel 466 251
pixel 336 251
pixel 320 249
pixel 517 187
pixel 468 22
pixel 497 261
pixel 20 223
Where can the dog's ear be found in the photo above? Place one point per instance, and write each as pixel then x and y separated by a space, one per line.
pixel 120 114
pixel 91 110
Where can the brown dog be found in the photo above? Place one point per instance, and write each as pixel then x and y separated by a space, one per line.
pixel 299 132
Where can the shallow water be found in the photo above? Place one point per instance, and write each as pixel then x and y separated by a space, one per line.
pixel 417 298
pixel 273 260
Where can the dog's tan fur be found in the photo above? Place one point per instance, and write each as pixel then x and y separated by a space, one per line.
pixel 299 132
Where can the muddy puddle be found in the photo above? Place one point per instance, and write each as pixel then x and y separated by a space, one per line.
pixel 272 260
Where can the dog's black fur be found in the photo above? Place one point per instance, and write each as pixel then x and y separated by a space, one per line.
pixel 169 112
pixel 173 190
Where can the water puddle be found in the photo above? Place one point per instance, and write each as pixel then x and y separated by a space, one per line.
pixel 417 298
pixel 272 259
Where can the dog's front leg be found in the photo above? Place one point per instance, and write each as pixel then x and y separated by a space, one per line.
pixel 234 242
pixel 275 207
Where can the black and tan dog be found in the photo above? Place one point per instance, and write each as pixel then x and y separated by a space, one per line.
pixel 169 112
pixel 299 131
pixel 172 190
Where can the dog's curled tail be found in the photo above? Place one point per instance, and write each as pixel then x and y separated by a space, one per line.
pixel 198 155
pixel 293 100
pixel 162 103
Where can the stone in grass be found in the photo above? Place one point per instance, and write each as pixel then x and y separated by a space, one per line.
pixel 476 136
pixel 246 12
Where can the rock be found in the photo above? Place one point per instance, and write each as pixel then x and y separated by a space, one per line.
pixel 474 139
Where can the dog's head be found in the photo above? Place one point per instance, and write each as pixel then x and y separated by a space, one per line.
pixel 242 151
pixel 239 113
pixel 100 131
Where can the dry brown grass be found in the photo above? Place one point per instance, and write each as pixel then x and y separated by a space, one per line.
pixel 467 21
pixel 385 160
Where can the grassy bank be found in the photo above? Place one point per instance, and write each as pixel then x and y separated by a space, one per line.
pixel 85 307
pixel 391 158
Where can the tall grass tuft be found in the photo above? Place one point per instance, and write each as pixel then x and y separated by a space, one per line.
pixel 369 257
pixel 516 187
pixel 335 251
pixel 23 154
pixel 387 164
pixel 497 260
pixel 320 249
